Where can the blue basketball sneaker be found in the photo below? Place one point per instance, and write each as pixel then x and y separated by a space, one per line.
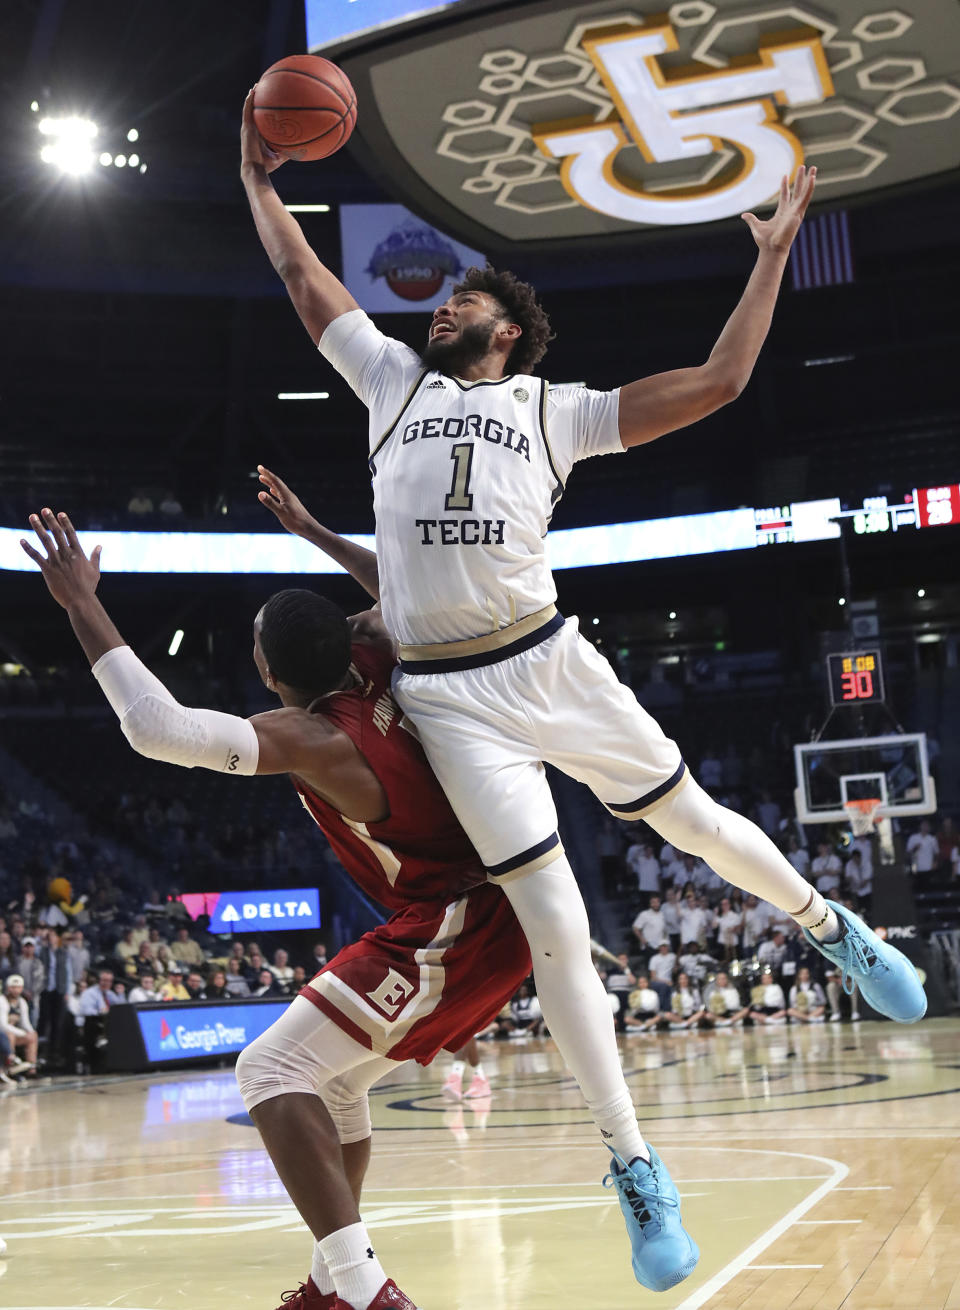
pixel 887 980
pixel 664 1253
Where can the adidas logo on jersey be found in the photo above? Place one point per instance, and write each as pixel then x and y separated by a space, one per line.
pixel 436 385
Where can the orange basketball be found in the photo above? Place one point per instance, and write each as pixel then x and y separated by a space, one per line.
pixel 304 107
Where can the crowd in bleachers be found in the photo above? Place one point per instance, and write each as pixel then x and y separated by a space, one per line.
pixel 703 954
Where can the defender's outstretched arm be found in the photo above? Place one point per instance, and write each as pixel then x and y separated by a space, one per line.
pixel 359 562
pixel 318 296
pixel 665 402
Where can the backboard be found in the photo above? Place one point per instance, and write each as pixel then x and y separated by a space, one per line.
pixel 894 768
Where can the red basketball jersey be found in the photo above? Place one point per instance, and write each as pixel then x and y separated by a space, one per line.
pixel 419 852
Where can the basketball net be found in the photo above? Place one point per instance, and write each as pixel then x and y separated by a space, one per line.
pixel 863 815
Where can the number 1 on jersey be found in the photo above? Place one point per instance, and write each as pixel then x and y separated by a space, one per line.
pixel 459 497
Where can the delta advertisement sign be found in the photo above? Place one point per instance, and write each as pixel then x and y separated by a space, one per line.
pixel 199 1031
pixel 271 911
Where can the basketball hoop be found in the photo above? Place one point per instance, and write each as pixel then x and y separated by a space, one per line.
pixel 864 815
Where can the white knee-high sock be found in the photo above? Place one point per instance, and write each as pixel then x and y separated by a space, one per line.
pixel 575 1005
pixel 743 854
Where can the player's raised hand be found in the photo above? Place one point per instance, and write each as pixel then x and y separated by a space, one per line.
pixel 777 232
pixel 69 573
pixel 253 148
pixel 287 506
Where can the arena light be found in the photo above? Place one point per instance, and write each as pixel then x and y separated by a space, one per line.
pixel 303 395
pixel 69 146
pixel 133 161
pixel 106 159
pixel 120 161
pixel 307 209
pixel 35 106
pixel 133 135
pixel 921 593
pixel 175 641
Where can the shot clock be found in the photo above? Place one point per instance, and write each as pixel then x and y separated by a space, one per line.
pixel 855 678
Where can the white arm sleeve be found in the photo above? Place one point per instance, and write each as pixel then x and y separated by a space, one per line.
pixel 158 726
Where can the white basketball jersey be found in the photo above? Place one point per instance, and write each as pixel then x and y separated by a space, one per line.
pixel 465 478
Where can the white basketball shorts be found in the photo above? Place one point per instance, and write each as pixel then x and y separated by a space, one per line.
pixel 487 729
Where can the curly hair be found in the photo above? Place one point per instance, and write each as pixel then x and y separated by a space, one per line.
pixel 518 301
pixel 305 640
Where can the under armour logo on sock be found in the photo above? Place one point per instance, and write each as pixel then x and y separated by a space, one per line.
pixel 370 1253
pixel 604 1133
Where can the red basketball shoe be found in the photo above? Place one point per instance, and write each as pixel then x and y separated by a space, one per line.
pixel 388 1298
pixel 308 1297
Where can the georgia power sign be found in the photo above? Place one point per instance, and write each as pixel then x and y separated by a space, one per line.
pixel 560 121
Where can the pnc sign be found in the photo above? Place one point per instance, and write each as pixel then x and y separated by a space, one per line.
pixel 690 112
pixel 549 121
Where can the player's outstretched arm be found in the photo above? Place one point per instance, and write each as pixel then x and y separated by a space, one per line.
pixel 318 296
pixel 359 562
pixel 665 402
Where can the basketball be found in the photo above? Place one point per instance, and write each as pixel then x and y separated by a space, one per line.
pixel 304 107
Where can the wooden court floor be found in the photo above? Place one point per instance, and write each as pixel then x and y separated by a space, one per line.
pixel 820 1168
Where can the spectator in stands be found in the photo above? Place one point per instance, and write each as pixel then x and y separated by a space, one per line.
pixel 141 933
pixel 236 952
pixel 671 918
pixel 644 1006
pixel 55 1021
pixel 694 918
pixel 173 989
pixel 798 856
pixel 525 1017
pixel 694 962
pixel 722 1004
pixel 620 982
pixel 807 1001
pixel 772 953
pixel 756 916
pixel 768 1003
pixel 686 1007
pixel 126 950
pixel 948 842
pixel 78 951
pixel 145 990
pixel 237 984
pixel 216 988
pixel 267 985
pixel 254 967
pixel 768 814
pixel 140 504
pixel 649 927
pixel 318 957
pixel 711 772
pixel 923 849
pixel 31 971
pixel 825 870
pixel 7 959
pixel 859 885
pixel 195 987
pixel 93 1006
pixel 281 970
pixel 645 867
pixel 170 507
pixel 186 951
pixel 661 966
pixel 729 927
pixel 163 960
pixel 143 960
pixel 15 1022
pixel 299 977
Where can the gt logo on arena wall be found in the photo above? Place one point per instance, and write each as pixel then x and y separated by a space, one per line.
pixel 684 113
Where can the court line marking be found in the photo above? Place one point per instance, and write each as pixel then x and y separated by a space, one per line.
pixel 784 1266
pixel 881 1187
pixel 829 1221
pixel 746 1257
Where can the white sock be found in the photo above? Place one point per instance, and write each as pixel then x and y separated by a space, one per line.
pixel 575 1004
pixel 320 1273
pixel 478 1071
pixel 819 919
pixel 354 1268
pixel 741 853
pixel 457 1068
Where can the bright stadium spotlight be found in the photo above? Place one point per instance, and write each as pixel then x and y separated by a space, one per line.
pixel 920 593
pixel 672 615
pixel 106 158
pixel 120 161
pixel 35 106
pixel 133 161
pixel 133 135
pixel 69 147
pixel 143 168
pixel 175 641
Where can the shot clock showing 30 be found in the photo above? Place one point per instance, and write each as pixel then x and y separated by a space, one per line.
pixel 855 678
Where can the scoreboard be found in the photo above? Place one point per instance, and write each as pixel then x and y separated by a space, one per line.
pixel 855 678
